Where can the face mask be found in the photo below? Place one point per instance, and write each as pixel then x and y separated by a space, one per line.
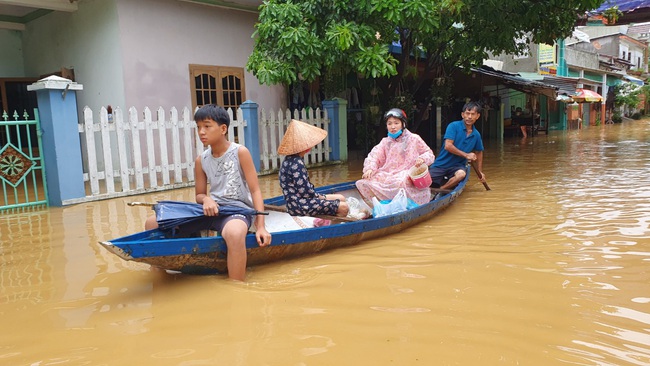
pixel 395 135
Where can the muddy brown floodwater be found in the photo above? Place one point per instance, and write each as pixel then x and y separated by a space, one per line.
pixel 550 267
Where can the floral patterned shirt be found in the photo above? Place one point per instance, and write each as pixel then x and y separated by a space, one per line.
pixel 299 193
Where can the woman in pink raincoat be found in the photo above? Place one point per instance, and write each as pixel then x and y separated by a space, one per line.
pixel 386 169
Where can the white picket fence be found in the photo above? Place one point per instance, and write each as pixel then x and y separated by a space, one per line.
pixel 273 126
pixel 134 154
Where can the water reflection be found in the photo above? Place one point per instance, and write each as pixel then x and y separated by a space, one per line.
pixel 549 267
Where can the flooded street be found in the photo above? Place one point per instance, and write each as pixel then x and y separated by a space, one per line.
pixel 550 267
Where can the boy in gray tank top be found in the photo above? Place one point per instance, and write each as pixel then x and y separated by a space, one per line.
pixel 229 170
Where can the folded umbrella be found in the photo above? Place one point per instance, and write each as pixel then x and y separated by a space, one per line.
pixel 170 214
pixel 188 216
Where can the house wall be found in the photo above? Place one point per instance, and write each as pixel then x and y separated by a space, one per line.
pixel 171 35
pixel 523 63
pixel 11 57
pixel 593 76
pixel 582 59
pixel 86 41
pixel 137 53
pixel 634 54
pixel 606 46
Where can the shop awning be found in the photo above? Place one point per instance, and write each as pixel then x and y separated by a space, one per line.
pixel 634 80
pixel 587 96
pixel 516 82
pixel 568 87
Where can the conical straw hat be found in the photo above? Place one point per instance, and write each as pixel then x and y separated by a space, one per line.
pixel 299 137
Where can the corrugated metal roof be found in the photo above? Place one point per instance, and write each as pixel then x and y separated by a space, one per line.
pixel 568 85
pixel 639 28
pixel 634 11
pixel 516 82
pixel 623 5
pixel 565 85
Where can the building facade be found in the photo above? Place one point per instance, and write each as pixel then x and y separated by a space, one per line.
pixel 145 53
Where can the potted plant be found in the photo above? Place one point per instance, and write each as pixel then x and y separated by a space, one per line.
pixel 612 14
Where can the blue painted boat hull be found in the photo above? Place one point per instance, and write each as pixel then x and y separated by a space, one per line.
pixel 207 255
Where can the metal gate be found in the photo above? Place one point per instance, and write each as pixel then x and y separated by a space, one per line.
pixel 21 162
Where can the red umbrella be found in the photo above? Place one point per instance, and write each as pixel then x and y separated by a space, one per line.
pixel 586 95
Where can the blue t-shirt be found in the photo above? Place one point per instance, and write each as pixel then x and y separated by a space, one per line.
pixel 457 132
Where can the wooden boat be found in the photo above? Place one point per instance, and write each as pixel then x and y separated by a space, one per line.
pixel 291 236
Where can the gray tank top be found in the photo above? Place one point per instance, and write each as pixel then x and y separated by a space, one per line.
pixel 226 178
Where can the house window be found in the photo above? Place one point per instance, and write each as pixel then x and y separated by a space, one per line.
pixel 623 55
pixel 223 86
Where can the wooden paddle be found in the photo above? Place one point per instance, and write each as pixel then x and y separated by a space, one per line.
pixel 487 188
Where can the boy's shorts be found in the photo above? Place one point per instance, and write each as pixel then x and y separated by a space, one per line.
pixel 220 221
pixel 216 223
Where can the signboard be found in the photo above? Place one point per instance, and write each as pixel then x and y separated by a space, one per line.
pixel 546 54
pixel 548 70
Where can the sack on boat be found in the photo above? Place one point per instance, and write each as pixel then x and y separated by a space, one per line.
pixel 398 204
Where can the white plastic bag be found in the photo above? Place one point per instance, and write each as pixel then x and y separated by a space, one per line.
pixel 398 204
pixel 356 211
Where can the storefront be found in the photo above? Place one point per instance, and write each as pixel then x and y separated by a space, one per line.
pixel 515 105
pixel 581 102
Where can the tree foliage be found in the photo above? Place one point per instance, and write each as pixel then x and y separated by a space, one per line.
pixel 306 39
pixel 629 94
pixel 612 14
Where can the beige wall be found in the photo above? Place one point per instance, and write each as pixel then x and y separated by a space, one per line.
pixel 171 35
pixel 136 53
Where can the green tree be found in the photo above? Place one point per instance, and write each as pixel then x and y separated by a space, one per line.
pixel 629 95
pixel 302 40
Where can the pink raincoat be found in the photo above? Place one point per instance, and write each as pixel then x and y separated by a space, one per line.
pixel 390 162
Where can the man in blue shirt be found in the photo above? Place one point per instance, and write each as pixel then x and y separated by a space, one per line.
pixel 462 143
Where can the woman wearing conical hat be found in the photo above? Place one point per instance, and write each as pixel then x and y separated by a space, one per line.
pixel 299 193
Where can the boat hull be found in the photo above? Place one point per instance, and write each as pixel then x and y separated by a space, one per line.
pixel 207 255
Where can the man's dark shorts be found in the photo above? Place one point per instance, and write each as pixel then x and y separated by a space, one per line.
pixel 440 176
